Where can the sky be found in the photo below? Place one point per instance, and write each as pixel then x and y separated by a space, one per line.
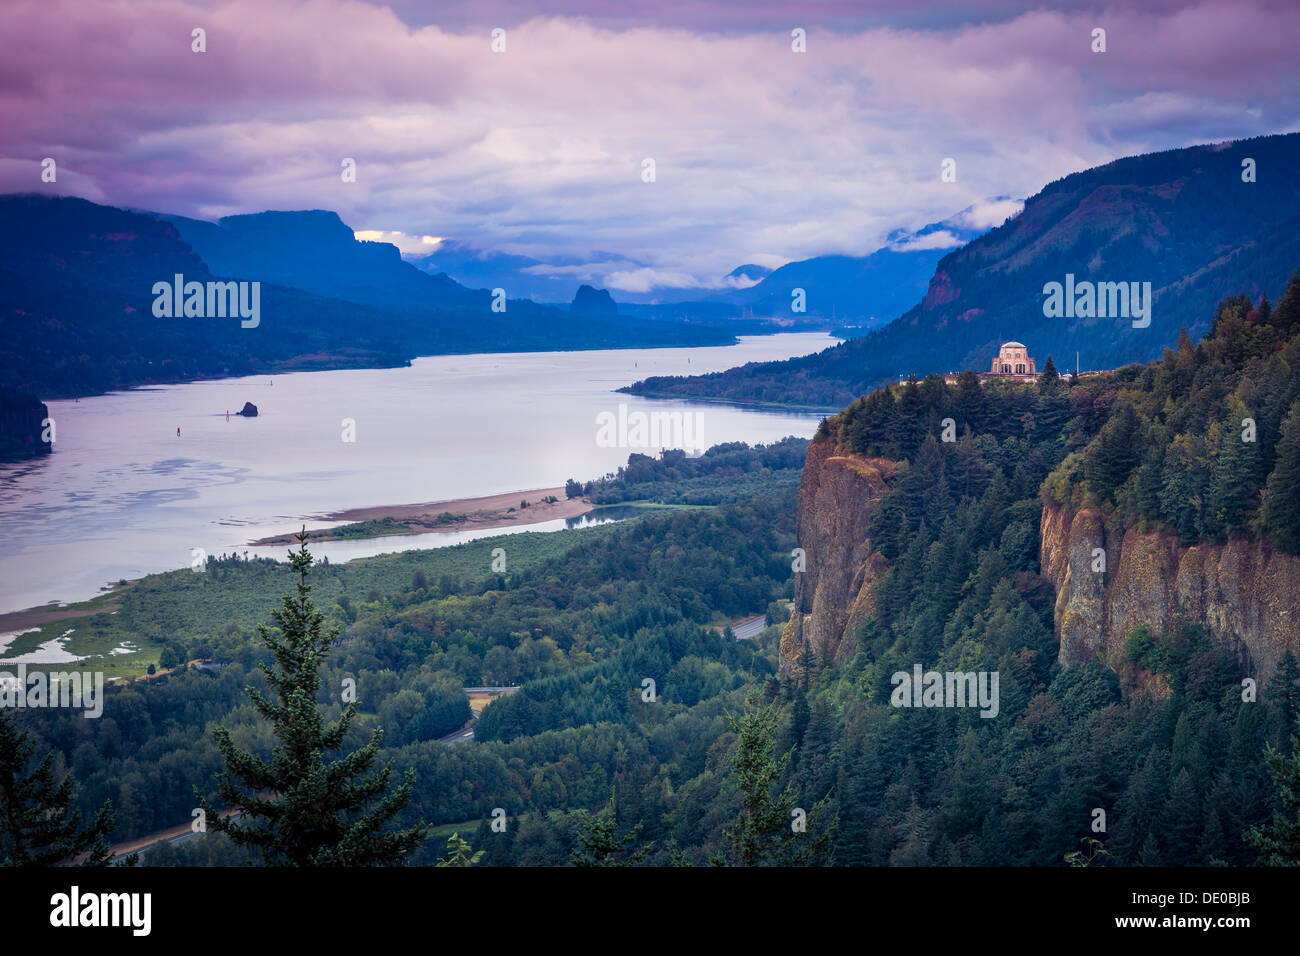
pixel 761 154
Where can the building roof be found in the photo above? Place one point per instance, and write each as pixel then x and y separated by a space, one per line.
pixel 1018 345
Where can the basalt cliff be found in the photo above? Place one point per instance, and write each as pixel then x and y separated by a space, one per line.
pixel 1245 593
pixel 834 592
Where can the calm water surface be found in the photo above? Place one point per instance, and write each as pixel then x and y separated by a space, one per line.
pixel 122 495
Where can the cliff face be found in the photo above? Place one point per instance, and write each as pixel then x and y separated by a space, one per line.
pixel 833 595
pixel 1245 593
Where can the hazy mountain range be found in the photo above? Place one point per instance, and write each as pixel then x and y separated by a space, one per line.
pixel 76 301
pixel 76 280
pixel 853 290
pixel 1197 224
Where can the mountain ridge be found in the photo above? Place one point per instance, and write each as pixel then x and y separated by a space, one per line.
pixel 1182 219
pixel 77 301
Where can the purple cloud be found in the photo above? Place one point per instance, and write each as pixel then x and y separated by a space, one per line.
pixel 761 154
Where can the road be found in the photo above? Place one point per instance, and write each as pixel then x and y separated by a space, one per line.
pixel 749 627
pixel 479 697
pixel 177 834
pixel 460 736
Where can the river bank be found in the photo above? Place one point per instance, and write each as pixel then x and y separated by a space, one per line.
pixel 124 495
pixel 489 512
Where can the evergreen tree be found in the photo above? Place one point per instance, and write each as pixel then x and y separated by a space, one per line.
pixel 1149 477
pixel 1114 454
pixel 970 473
pixel 1286 314
pixel 299 809
pixel 1284 689
pixel 1184 487
pixel 969 400
pixel 459 853
pixel 763 834
pixel 1282 503
pixel 599 842
pixel 1049 381
pixel 799 711
pixel 1180 823
pixel 1234 482
pixel 1278 841
pixel 39 822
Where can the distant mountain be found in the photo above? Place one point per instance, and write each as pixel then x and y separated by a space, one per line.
pixel 863 290
pixel 589 301
pixel 870 289
pixel 76 305
pixel 556 280
pixel 77 300
pixel 520 276
pixel 1182 220
pixel 749 271
pixel 844 294
pixel 314 250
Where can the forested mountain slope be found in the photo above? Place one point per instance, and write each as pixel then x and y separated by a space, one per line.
pixel 1182 220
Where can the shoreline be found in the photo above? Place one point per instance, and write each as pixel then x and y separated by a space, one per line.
pixel 487 512
pixel 459 514
pixel 30 618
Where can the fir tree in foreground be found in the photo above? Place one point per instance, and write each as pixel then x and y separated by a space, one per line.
pixel 301 809
pixel 599 842
pixel 1094 852
pixel 459 853
pixel 1278 842
pixel 39 825
pixel 769 831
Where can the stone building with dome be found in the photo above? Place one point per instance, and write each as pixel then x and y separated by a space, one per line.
pixel 1013 363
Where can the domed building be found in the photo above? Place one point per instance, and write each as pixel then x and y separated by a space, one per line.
pixel 1013 363
pixel 1013 360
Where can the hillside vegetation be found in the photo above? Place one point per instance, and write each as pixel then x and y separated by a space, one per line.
pixel 1166 746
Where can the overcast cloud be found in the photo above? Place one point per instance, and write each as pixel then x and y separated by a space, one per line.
pixel 762 154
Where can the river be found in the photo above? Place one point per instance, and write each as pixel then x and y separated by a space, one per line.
pixel 124 495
